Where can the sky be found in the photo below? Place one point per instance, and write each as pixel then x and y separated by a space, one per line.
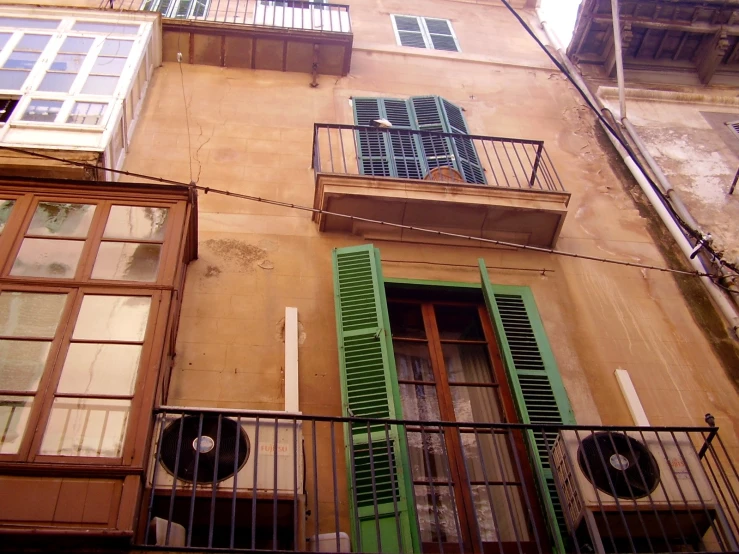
pixel 560 14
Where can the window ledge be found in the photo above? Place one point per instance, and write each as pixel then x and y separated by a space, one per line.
pixel 531 217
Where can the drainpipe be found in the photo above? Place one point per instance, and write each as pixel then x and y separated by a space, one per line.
pixel 725 306
pixel 619 57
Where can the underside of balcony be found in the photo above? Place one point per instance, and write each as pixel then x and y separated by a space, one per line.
pixel 530 217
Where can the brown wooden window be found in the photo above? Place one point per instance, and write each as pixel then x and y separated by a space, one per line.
pixel 449 369
pixel 85 294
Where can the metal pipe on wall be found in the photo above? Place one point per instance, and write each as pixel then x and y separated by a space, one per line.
pixel 619 56
pixel 727 308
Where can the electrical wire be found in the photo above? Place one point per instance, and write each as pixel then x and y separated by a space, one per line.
pixel 187 115
pixel 299 207
pixel 687 228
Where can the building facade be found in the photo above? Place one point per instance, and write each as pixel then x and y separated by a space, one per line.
pixel 335 321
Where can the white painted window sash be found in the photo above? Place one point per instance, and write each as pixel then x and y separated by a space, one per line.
pixel 425 33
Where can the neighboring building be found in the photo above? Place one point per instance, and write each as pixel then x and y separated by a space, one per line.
pixel 152 336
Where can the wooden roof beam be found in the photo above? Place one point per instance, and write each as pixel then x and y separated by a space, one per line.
pixel 710 54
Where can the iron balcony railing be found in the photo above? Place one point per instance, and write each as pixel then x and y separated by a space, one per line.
pixel 286 14
pixel 433 156
pixel 238 480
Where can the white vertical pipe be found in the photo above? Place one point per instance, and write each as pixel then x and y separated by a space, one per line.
pixel 619 57
pixel 632 398
pixel 292 403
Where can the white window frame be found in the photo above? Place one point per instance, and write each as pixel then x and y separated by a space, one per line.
pixel 173 8
pixel 425 34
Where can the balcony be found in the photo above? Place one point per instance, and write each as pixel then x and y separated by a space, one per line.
pixel 236 480
pixel 489 187
pixel 282 35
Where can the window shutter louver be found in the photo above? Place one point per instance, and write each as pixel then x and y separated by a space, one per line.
pixel 437 150
pixel 466 154
pixel 372 148
pixel 440 33
pixel 398 153
pixel 535 381
pixel 409 31
pixel 200 8
pixel 369 389
pixel 734 126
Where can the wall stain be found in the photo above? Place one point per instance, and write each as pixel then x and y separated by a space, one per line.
pixel 212 271
pixel 706 316
pixel 235 252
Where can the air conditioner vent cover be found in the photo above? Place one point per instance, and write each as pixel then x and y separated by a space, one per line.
pixel 222 463
pixel 618 465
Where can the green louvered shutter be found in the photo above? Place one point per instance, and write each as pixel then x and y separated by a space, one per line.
pixel 384 153
pixel 438 151
pixel 370 389
pixel 467 159
pixel 535 381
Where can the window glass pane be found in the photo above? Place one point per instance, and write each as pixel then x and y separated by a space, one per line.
pixel 86 113
pixel 86 427
pixel 427 445
pixel 406 320
pixel 412 361
pixel 127 261
pixel 106 65
pixel 57 82
pixel 21 60
pixel 14 411
pixel 42 110
pixel 6 206
pixel 112 318
pixel 77 45
pixel 35 43
pixel 61 219
pixel 96 84
pixel 4 39
pixel 437 514
pixel 22 363
pixel 458 322
pixel 28 23
pixel 12 80
pixel 57 259
pixel 68 62
pixel 30 314
pixel 136 222
pixel 420 402
pixel 105 27
pixel 115 47
pixel 467 363
pixel 100 369
pixel 478 404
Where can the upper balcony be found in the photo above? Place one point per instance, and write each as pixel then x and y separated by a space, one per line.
pixel 490 187
pixel 283 35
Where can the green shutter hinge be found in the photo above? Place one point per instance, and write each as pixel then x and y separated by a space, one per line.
pixel 379 332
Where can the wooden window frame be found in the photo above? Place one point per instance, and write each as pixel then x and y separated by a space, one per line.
pixel 443 387
pixel 178 247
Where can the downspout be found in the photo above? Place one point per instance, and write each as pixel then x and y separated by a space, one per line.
pixel 619 57
pixel 725 306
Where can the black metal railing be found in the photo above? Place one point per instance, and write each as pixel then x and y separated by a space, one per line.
pixel 433 156
pixel 239 480
pixel 288 14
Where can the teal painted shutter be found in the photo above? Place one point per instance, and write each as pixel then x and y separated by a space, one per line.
pixel 437 151
pixel 537 387
pixel 467 159
pixel 372 148
pixel 387 153
pixel 370 389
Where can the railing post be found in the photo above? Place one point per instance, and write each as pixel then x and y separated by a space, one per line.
pixel 537 161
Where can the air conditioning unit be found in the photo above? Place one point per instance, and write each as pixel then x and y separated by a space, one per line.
pixel 244 451
pixel 634 484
